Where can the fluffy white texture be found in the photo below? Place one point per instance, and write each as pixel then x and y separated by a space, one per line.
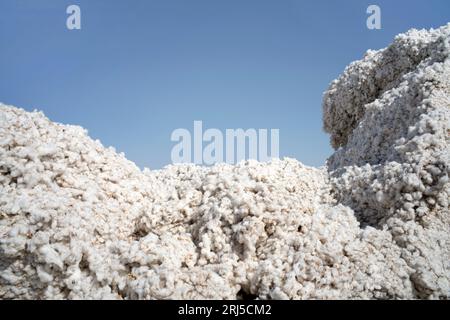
pixel 393 163
pixel 80 221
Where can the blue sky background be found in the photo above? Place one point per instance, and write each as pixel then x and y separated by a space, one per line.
pixel 137 70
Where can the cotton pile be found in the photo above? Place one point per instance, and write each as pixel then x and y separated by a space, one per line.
pixel 80 221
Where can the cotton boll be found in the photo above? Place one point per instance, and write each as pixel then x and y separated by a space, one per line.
pixel 50 256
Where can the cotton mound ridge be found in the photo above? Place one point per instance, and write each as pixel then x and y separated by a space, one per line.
pixel 80 221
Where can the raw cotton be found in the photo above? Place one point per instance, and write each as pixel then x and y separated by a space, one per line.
pixel 80 221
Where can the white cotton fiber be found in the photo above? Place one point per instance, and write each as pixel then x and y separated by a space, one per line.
pixel 79 221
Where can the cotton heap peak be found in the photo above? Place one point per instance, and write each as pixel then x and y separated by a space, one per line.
pixel 80 221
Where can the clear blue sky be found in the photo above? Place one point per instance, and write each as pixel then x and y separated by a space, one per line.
pixel 139 69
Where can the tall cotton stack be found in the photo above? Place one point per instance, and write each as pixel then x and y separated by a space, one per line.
pixel 80 221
